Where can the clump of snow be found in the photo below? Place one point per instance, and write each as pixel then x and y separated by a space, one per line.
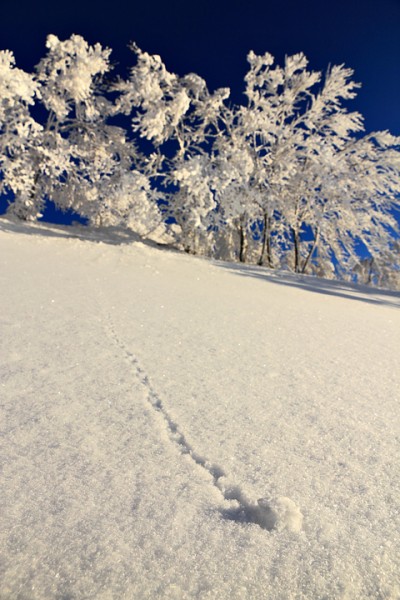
pixel 288 514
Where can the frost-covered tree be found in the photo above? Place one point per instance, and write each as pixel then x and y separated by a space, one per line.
pixel 306 181
pixel 355 202
pixel 19 134
pixel 78 158
pixel 77 146
pixel 180 117
pixel 53 154
pixel 283 122
pixel 238 192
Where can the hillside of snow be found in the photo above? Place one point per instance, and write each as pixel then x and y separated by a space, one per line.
pixel 177 428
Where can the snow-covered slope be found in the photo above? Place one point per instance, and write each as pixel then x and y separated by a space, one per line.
pixel 175 428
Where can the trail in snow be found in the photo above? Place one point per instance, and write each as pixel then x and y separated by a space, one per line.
pixel 266 512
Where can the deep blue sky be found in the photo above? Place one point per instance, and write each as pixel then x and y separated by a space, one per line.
pixel 212 38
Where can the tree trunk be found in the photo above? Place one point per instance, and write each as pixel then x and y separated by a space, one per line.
pixel 296 244
pixel 189 242
pixel 242 243
pixel 266 243
pixel 312 250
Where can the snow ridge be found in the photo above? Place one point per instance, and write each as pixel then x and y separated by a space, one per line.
pixel 266 512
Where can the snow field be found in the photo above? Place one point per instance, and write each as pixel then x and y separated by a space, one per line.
pixel 175 428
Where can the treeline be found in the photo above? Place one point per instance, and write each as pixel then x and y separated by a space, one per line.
pixel 288 180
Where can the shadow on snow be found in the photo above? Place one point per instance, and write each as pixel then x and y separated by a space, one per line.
pixel 117 236
pixel 326 287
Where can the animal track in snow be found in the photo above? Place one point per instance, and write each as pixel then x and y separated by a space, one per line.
pixel 268 513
